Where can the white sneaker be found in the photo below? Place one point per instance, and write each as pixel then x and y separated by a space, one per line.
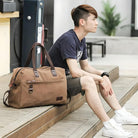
pixel 115 130
pixel 124 117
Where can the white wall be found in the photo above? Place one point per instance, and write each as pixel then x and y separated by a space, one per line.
pixel 136 15
pixel 63 21
pixel 4 46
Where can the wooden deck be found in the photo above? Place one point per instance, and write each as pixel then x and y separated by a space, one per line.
pixel 83 123
pixel 31 122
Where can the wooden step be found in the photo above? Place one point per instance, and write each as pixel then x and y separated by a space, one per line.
pixel 83 123
pixel 31 122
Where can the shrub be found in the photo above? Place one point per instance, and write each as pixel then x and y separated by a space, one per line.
pixel 110 19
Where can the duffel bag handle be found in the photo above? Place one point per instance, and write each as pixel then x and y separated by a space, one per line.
pixel 32 56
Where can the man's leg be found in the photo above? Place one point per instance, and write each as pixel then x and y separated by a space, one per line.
pixel 111 100
pixel 111 128
pixel 92 97
pixel 121 115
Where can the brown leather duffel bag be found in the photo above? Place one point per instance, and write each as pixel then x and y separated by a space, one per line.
pixel 35 87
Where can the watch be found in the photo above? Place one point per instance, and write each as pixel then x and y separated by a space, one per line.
pixel 105 74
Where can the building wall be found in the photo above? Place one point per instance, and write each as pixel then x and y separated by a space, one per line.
pixel 116 45
pixel 4 46
pixel 63 21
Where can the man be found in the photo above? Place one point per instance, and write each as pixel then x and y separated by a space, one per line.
pixel 70 49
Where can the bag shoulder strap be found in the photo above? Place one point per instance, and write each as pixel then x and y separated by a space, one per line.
pixel 5 98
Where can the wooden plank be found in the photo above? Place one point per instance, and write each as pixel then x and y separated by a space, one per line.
pixel 41 123
pixel 9 15
pixel 125 88
pixel 32 122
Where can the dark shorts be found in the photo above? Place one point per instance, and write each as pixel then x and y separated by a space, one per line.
pixel 74 86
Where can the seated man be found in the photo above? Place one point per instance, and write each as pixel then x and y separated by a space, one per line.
pixel 70 49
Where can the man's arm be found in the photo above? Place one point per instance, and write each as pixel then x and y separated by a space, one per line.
pixel 76 71
pixel 106 85
pixel 88 68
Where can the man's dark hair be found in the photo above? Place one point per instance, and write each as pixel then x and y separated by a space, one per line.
pixel 82 12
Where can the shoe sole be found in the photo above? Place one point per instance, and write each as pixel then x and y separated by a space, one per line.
pixel 127 123
pixel 107 135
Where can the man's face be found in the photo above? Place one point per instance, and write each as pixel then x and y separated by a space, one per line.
pixel 91 24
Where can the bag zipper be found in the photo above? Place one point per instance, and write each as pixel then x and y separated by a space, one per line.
pixel 13 81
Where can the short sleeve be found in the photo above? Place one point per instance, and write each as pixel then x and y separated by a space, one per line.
pixel 68 48
pixel 84 55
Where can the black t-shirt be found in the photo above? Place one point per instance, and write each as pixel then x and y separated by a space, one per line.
pixel 67 46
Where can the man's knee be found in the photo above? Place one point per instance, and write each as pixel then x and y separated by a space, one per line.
pixel 87 82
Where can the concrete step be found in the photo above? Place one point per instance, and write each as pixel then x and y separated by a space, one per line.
pixel 83 123
pixel 31 122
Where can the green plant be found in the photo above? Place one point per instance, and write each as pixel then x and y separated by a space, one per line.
pixel 110 19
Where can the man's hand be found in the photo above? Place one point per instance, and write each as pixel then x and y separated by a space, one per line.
pixel 106 86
